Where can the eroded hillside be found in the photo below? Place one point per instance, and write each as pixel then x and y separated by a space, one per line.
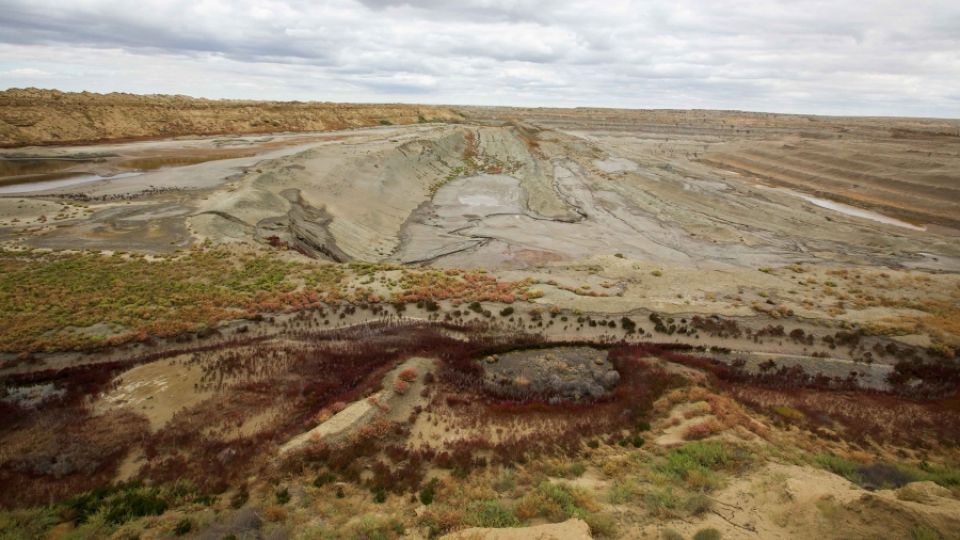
pixel 32 116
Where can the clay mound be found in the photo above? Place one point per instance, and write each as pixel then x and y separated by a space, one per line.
pixel 572 529
pixel 33 116
pixel 342 202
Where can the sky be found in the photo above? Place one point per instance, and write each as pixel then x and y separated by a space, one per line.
pixel 863 57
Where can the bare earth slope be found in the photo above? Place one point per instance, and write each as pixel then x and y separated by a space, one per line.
pixel 32 116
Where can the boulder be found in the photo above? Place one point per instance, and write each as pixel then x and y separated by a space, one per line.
pixel 610 378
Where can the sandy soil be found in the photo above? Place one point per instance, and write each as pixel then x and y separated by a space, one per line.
pixel 791 501
pixel 573 529
pixel 156 390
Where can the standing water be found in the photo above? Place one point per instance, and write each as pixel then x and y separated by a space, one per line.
pixel 43 185
pixel 848 210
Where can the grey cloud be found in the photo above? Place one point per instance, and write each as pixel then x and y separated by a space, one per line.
pixel 798 56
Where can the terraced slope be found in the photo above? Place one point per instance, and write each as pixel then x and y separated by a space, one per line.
pixel 908 168
pixel 913 180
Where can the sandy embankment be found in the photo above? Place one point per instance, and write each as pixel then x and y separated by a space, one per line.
pixel 33 116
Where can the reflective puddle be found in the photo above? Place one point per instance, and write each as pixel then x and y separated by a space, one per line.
pixel 848 210
pixel 72 180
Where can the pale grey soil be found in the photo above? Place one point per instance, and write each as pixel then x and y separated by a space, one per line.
pixel 606 217
pixel 561 373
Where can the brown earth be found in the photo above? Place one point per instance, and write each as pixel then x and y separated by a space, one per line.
pixel 904 167
pixel 33 116
pixel 572 529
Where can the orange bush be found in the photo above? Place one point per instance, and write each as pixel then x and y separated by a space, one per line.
pixel 702 430
pixel 275 513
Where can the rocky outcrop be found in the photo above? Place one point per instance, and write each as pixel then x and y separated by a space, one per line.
pixel 33 116
pixel 304 228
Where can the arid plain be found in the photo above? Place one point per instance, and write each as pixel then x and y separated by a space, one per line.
pixel 318 320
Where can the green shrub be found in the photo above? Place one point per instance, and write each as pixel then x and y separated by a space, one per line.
pixel 324 478
pixel 204 499
pixel 507 311
pixel 707 534
pixel 788 412
pixel 696 462
pixel 27 524
pixel 428 492
pixel 576 469
pixel 379 495
pixel 240 498
pixel 505 482
pixel 886 475
pixel 283 496
pixel 922 532
pixel 601 525
pixel 119 504
pixel 622 491
pixel 183 527
pixel 840 466
pixel 670 534
pixel 662 502
pixel 697 504
pixel 135 504
pixel 370 527
pixel 559 501
pixel 944 475
pixel 490 514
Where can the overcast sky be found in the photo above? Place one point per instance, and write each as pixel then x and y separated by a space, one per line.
pixel 829 57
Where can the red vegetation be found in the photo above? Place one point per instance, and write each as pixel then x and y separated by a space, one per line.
pixel 310 372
